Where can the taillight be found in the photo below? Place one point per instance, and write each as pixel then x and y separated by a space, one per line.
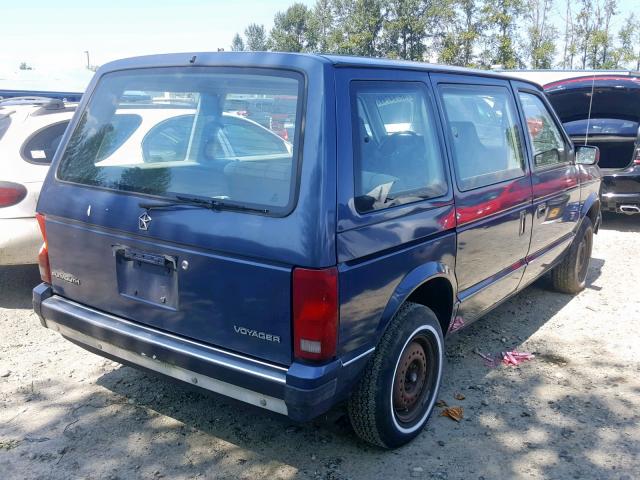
pixel 11 193
pixel 43 255
pixel 636 158
pixel 315 313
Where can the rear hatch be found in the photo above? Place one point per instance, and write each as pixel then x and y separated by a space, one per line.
pixel 610 119
pixel 171 210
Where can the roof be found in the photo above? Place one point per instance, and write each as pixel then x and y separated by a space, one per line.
pixel 286 59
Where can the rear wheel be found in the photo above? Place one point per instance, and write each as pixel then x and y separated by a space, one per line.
pixel 396 394
pixel 570 276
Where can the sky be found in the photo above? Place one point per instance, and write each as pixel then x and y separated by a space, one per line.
pixel 52 36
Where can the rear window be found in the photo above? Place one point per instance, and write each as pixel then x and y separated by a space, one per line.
pixel 211 132
pixel 603 126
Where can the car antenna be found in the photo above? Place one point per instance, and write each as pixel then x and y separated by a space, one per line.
pixel 593 81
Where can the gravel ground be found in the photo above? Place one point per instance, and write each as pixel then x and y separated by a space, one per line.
pixel 573 412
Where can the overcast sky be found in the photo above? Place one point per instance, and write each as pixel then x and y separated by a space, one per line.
pixel 53 35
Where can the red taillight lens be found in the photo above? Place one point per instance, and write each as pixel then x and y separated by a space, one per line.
pixel 315 313
pixel 636 158
pixel 11 193
pixel 43 255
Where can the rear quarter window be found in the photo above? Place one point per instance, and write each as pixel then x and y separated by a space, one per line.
pixel 41 146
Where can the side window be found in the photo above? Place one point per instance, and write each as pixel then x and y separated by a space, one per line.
pixel 247 139
pixel 169 140
pixel 484 131
pixel 546 139
pixel 42 145
pixel 397 156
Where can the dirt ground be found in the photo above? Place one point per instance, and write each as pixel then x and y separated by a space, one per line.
pixel 573 412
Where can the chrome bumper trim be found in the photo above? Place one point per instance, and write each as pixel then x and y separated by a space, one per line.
pixel 208 383
pixel 125 327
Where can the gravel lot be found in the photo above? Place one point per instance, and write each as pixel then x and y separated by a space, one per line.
pixel 573 412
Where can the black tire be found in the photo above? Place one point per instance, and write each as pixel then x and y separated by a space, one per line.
pixel 392 402
pixel 570 275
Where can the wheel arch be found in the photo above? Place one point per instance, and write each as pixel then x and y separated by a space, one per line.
pixel 591 208
pixel 432 285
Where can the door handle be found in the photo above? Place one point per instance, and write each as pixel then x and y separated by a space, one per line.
pixel 542 209
pixel 523 222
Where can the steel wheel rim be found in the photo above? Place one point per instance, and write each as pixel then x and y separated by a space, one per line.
pixel 414 380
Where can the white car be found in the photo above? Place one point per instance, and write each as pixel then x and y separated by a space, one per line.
pixel 30 130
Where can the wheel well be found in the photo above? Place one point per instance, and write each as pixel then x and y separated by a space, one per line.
pixel 593 214
pixel 437 294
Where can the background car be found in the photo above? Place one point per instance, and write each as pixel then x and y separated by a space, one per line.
pixel 605 111
pixel 30 130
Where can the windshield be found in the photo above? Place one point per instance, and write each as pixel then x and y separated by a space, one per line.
pixel 603 126
pixel 210 132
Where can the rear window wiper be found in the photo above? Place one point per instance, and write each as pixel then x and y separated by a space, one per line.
pixel 210 203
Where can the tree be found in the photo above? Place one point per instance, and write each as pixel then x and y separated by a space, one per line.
pixel 570 44
pixel 540 47
pixel 629 37
pixel 256 37
pixel 593 31
pixel 358 27
pixel 404 27
pixel 237 44
pixel 502 17
pixel 465 31
pixel 292 30
pixel 322 24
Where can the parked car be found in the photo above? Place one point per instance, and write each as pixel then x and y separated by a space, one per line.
pixel 30 130
pixel 610 119
pixel 414 199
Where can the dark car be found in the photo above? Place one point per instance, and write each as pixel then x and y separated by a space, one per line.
pixel 412 200
pixel 610 119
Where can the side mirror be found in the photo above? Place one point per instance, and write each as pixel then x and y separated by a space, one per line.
pixel 587 154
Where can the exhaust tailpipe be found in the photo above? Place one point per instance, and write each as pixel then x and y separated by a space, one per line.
pixel 629 209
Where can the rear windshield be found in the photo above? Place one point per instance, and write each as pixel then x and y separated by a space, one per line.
pixel 217 133
pixel 603 126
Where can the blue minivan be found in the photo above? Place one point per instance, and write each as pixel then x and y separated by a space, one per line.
pixel 295 231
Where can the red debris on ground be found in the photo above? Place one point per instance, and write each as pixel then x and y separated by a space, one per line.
pixel 515 358
pixel 512 358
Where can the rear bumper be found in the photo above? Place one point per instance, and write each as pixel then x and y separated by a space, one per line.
pixel 621 189
pixel 20 240
pixel 301 391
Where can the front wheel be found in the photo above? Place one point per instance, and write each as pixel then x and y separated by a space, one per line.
pixel 570 275
pixel 398 389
